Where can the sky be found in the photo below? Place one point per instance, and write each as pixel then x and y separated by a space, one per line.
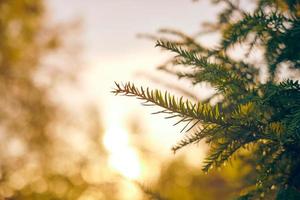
pixel 110 27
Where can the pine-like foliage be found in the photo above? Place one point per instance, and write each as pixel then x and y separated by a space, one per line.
pixel 262 117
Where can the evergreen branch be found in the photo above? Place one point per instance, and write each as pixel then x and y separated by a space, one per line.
pixel 197 136
pixel 290 85
pixel 185 109
pixel 261 118
pixel 223 151
pixel 152 195
pixel 258 22
pixel 213 73
pixel 193 58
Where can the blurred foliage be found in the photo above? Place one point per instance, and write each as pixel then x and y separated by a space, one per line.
pixel 44 152
pixel 20 50
pixel 247 112
pixel 179 180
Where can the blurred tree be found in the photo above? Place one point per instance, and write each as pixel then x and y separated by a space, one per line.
pixel 179 180
pixel 39 158
pixel 247 113
pixel 20 50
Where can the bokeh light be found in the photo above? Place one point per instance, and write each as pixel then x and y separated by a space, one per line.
pixel 122 157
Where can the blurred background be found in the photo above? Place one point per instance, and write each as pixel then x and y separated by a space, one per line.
pixel 63 135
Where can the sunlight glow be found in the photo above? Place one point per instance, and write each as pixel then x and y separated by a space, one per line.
pixel 122 157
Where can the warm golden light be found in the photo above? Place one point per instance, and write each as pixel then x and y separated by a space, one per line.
pixel 122 157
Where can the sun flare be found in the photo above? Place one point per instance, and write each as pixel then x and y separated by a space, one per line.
pixel 122 157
